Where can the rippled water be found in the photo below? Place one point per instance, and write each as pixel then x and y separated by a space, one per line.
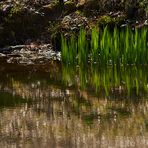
pixel 54 105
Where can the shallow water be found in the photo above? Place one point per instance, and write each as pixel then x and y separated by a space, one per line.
pixel 55 105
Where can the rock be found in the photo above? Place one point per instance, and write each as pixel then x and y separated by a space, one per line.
pixel 52 10
pixel 132 12
pixel 6 7
pixel 91 7
pixel 33 55
pixel 2 55
pixel 19 22
pixel 69 7
pixel 112 19
pixel 146 22
pixel 106 20
pixel 73 21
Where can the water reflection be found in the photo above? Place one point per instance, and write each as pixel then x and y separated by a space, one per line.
pixel 73 107
pixel 130 80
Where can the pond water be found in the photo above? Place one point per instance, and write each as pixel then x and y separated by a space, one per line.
pixel 57 105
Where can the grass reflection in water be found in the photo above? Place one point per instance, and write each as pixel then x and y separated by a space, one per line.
pixel 131 80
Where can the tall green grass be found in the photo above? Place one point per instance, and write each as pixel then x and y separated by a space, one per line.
pixel 64 47
pixel 116 47
pixel 69 50
pixel 94 45
pixel 82 47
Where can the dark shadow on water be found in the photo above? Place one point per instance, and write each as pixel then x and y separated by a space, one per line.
pixel 9 100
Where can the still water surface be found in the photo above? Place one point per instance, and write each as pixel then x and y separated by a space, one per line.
pixel 55 105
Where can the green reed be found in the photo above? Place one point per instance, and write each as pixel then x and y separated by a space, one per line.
pixel 64 51
pixel 94 45
pixel 69 50
pixel 104 46
pixel 117 47
pixel 82 47
pixel 72 50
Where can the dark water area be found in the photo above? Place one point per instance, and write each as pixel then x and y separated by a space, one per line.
pixel 55 105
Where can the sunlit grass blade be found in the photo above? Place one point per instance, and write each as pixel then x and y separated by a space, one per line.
pixel 117 47
pixel 94 45
pixel 82 47
pixel 64 50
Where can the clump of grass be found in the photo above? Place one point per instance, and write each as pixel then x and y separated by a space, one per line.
pixel 72 50
pixel 64 50
pixel 69 50
pixel 94 45
pixel 119 47
pixel 82 47
pixel 104 46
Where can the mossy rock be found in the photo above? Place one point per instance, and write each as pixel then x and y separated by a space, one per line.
pixel 52 5
pixel 120 20
pixel 106 20
pixel 52 10
pixel 137 10
pixel 69 7
pixel 111 21
pixel 20 26
pixel 91 8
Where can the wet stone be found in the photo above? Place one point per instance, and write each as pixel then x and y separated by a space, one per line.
pixel 33 55
pixel 2 55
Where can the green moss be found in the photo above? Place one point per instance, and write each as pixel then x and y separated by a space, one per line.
pixel 52 5
pixel 69 7
pixel 119 20
pixel 105 19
